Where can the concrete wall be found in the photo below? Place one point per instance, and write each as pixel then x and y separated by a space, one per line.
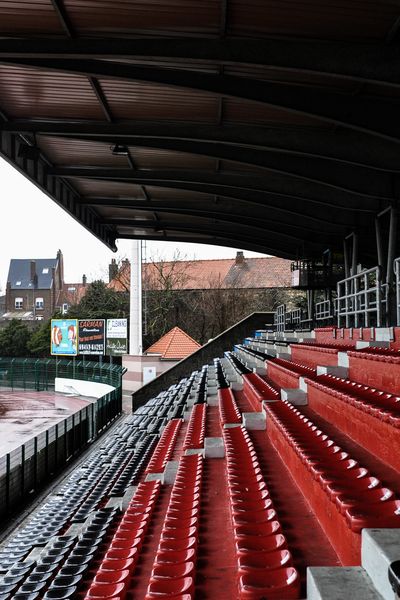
pixel 205 354
pixel 133 378
pixel 79 387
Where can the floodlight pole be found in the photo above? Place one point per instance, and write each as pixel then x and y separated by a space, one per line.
pixel 135 328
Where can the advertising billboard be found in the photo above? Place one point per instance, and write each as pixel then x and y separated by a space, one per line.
pixel 91 337
pixel 117 337
pixel 63 340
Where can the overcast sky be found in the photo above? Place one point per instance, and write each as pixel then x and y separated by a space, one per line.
pixel 33 226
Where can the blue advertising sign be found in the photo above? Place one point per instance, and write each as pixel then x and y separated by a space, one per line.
pixel 64 340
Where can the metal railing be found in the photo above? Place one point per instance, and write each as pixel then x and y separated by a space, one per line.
pixel 39 374
pixel 325 310
pixel 396 267
pixel 29 467
pixel 280 318
pixel 362 300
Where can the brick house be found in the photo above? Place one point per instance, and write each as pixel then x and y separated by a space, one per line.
pixel 36 289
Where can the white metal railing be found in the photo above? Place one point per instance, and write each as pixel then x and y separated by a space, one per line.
pixel 280 318
pixel 396 267
pixel 324 310
pixel 362 299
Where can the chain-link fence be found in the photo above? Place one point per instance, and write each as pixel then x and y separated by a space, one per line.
pixel 27 468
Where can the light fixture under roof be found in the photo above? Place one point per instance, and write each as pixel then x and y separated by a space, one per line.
pixel 119 150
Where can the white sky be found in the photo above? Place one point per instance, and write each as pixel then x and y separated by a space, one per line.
pixel 33 226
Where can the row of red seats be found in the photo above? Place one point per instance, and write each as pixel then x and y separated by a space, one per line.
pixel 228 409
pixel 264 563
pixel 378 350
pixel 257 390
pixel 163 451
pixel 342 347
pixel 295 367
pixel 359 497
pixel 173 572
pixel 113 576
pixel 196 428
pixel 380 404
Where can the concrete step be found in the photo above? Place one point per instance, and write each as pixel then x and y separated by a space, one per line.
pixel 379 548
pixel 340 583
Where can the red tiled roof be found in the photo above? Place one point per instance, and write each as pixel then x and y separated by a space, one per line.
pixel 72 293
pixel 176 344
pixel 263 272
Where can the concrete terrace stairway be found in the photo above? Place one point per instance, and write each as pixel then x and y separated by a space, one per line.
pixel 345 391
pixel 256 477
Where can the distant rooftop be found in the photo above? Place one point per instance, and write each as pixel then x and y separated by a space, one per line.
pixel 20 273
pixel 174 345
pixel 238 272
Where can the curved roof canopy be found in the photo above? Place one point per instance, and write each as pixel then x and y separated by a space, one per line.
pixel 268 125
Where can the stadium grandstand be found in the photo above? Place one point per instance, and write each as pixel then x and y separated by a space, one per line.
pixel 265 466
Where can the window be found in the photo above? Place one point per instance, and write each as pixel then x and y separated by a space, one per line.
pixel 45 271
pixel 19 302
pixel 39 303
pixel 18 283
pixel 72 289
pixel 40 318
pixel 64 308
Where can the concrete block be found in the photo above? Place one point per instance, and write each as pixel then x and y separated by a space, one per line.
pixel 192 451
pixel 214 447
pixel 170 472
pixel 362 344
pixel 302 384
pixel 380 547
pixel 384 334
pixel 284 355
pixel 340 583
pixel 212 389
pixel 343 360
pixel 212 399
pixel 127 497
pixel 154 476
pixel 295 396
pixel 255 421
pixel 186 414
pixel 237 385
pixel 231 425
pixel 330 370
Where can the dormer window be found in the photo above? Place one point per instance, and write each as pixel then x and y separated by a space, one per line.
pixel 45 271
pixel 18 283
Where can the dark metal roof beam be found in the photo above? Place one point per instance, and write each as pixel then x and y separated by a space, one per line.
pixel 101 98
pixel 277 183
pixel 202 238
pixel 343 176
pixel 217 211
pixel 343 146
pixel 63 17
pixel 202 224
pixel 272 205
pixel 357 112
pixel 56 188
pixel 361 61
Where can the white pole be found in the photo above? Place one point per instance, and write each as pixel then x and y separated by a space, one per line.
pixel 135 330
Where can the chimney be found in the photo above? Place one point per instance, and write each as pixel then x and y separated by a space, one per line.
pixel 33 271
pixel 60 264
pixel 112 269
pixel 84 280
pixel 239 260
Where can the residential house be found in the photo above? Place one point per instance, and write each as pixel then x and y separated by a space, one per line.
pixel 36 289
